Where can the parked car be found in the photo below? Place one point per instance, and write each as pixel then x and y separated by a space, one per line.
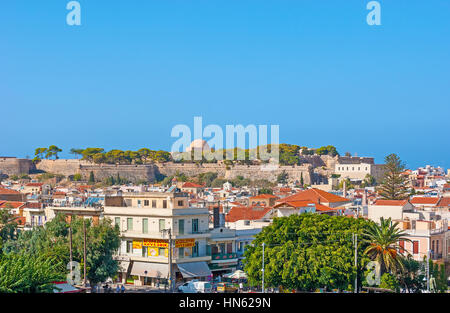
pixel 195 286
pixel 226 287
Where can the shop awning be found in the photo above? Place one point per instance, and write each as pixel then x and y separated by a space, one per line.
pixel 194 269
pixel 156 270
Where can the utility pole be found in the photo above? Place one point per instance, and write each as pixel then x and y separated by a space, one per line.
pixel 84 251
pixel 356 262
pixel 428 271
pixel 263 266
pixel 70 249
pixel 171 284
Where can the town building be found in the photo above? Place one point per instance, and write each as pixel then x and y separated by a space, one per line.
pixel 145 220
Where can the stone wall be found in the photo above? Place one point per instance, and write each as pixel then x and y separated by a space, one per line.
pixel 148 172
pixel 133 173
pixel 64 167
pixel 253 172
pixel 14 166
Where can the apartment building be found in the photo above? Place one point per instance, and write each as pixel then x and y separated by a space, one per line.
pixel 145 220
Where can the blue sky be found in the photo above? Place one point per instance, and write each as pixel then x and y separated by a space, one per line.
pixel 134 69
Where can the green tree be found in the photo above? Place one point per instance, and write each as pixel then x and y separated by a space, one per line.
pixel 327 150
pixel 77 177
pixel 89 153
pixel 306 252
pixel 393 185
pixel 369 181
pixel 282 177
pixel 383 247
pixel 52 151
pixel 77 152
pixel 412 277
pixel 91 178
pixel 51 241
pixel 207 178
pixel 389 281
pixel 265 191
pixel 8 226
pixel 22 273
pixel 39 154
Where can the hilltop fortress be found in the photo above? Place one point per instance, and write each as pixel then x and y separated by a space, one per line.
pixel 313 168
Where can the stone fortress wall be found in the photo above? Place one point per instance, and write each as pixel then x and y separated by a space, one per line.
pixel 314 168
pixel 15 166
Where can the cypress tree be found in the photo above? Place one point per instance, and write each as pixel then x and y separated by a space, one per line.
pixel 393 185
pixel 91 177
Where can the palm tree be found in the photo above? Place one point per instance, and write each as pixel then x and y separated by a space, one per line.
pixel 383 245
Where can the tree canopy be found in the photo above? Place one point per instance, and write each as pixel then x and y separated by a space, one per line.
pixel 307 251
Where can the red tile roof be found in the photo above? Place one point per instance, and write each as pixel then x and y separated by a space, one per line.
pixel 239 213
pixel 34 184
pixel 264 196
pixel 316 195
pixel 425 200
pixel 33 205
pixel 4 191
pixel 11 204
pixel 391 202
pixel 191 185
pixel 445 202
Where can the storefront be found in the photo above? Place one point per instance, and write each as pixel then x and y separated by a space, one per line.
pixel 146 273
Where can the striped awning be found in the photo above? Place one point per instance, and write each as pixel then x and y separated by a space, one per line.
pixel 194 269
pixel 156 270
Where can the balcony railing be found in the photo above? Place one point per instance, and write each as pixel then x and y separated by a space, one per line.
pixel 223 256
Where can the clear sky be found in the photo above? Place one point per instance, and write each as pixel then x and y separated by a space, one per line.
pixel 134 69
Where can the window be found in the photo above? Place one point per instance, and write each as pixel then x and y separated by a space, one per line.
pixel 129 223
pixel 164 204
pixel 181 227
pixel 195 250
pixel 432 246
pixel 162 225
pixel 144 252
pixel 415 247
pixel 241 246
pixel 145 225
pixel 162 251
pixel 180 202
pixel 437 246
pixel 229 247
pixel 181 253
pixel 129 246
pixel 117 221
pixel 146 202
pixel 153 203
pixel 139 203
pixel 195 225
pixel 401 243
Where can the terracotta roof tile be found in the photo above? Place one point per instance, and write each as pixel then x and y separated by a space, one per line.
pixel 239 213
pixel 316 195
pixel 391 202
pixel 425 200
pixel 4 191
